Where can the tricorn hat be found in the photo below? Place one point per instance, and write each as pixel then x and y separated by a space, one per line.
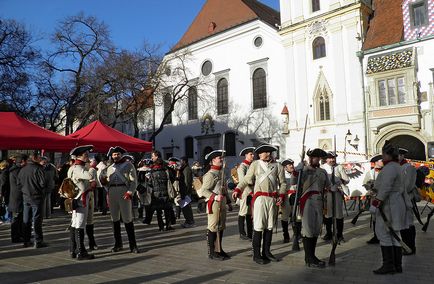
pixel 247 150
pixel 331 154
pixel 265 148
pixel 402 151
pixel 287 162
pixel 213 154
pixel 116 149
pixel 317 152
pixel 390 149
pixel 376 158
pixel 77 151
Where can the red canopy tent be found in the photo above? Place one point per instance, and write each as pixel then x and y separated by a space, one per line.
pixel 102 137
pixel 17 133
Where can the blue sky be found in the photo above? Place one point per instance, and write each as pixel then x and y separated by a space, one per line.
pixel 130 21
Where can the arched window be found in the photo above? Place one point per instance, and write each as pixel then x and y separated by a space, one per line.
pixel 189 147
pixel 315 5
pixel 230 146
pixel 318 48
pixel 259 82
pixel 324 106
pixel 167 103
pixel 222 96
pixel 192 103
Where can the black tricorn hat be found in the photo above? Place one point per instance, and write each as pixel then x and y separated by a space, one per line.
pixel 376 158
pixel 287 162
pixel 317 152
pixel 213 154
pixel 247 150
pixel 77 151
pixel 331 154
pixel 116 149
pixel 174 159
pixel 265 148
pixel 390 149
pixel 402 151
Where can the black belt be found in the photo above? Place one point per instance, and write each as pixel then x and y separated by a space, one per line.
pixel 117 184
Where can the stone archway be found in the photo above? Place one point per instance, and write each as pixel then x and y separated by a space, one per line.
pixel 415 147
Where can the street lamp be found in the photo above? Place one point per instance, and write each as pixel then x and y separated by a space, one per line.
pixel 354 143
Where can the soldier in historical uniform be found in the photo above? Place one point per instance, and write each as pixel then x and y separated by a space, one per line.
pixel 268 178
pixel 85 183
pixel 390 199
pixel 409 175
pixel 90 223
pixel 216 199
pixel 368 184
pixel 121 179
pixel 245 214
pixel 288 200
pixel 314 184
pixel 337 183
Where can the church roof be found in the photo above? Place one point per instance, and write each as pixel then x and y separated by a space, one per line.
pixel 220 15
pixel 386 27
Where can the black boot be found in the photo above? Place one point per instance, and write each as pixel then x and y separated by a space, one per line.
pixel 129 227
pixel 412 239
pixel 340 230
pixel 397 254
pixel 388 261
pixel 285 232
pixel 241 230
pixel 328 224
pixel 249 225
pixel 317 260
pixel 222 252
pixel 374 240
pixel 160 220
pixel 82 252
pixel 408 239
pixel 212 237
pixel 256 245
pixel 309 253
pixel 72 243
pixel 140 211
pixel 91 237
pixel 117 235
pixel 178 212
pixel 266 253
pixel 296 228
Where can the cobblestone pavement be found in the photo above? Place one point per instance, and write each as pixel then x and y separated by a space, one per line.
pixel 180 256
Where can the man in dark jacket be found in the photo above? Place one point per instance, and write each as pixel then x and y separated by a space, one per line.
pixel 31 182
pixel 187 211
pixel 16 200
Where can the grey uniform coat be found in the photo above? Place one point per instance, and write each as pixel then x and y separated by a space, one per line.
pixel 338 187
pixel 409 178
pixel 244 206
pixel 390 190
pixel 267 178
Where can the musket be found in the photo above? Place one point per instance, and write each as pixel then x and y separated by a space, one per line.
pixel 425 227
pixel 367 202
pixel 392 232
pixel 416 212
pixel 295 216
pixel 222 192
pixel 332 258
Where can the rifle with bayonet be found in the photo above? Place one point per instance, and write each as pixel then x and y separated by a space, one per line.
pixel 296 217
pixel 332 258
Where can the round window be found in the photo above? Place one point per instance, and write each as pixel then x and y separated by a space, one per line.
pixel 258 41
pixel 206 68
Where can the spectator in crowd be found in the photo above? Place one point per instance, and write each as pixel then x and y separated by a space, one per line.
pixel 16 200
pixel 51 177
pixel 31 181
pixel 4 189
pixel 101 190
pixel 186 192
pixel 144 191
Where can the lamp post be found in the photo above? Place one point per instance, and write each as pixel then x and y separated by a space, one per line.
pixel 353 142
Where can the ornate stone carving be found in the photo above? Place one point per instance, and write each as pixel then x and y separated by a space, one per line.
pixel 207 124
pixel 317 28
pixel 390 61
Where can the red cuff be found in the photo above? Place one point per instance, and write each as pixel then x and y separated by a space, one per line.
pixel 282 196
pixel 376 203
pixel 127 196
pixel 237 191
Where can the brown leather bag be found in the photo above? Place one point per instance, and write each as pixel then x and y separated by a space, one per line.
pixel 68 189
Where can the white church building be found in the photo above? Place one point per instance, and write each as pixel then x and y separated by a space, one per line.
pixel 254 73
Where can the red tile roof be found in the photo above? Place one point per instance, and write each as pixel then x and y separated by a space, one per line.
pixel 386 27
pixel 219 15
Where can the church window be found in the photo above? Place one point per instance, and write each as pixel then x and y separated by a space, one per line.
pixel 259 82
pixel 192 103
pixel 222 96
pixel 318 48
pixel 167 103
pixel 230 146
pixel 315 5
pixel 324 107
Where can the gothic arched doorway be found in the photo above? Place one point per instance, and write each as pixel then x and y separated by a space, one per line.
pixel 416 149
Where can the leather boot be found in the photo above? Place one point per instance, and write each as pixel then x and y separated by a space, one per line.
pixel 212 237
pixel 388 266
pixel 408 237
pixel 340 230
pixel 140 211
pixel 72 243
pixel 309 254
pixel 222 252
pixel 256 245
pixel 129 227
pixel 82 252
pixel 328 224
pixel 296 228
pixel 313 248
pixel 397 254
pixel 266 253
pixel 285 232
pixel 117 235
pixel 249 225
pixel 241 220
pixel 412 239
pixel 91 237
